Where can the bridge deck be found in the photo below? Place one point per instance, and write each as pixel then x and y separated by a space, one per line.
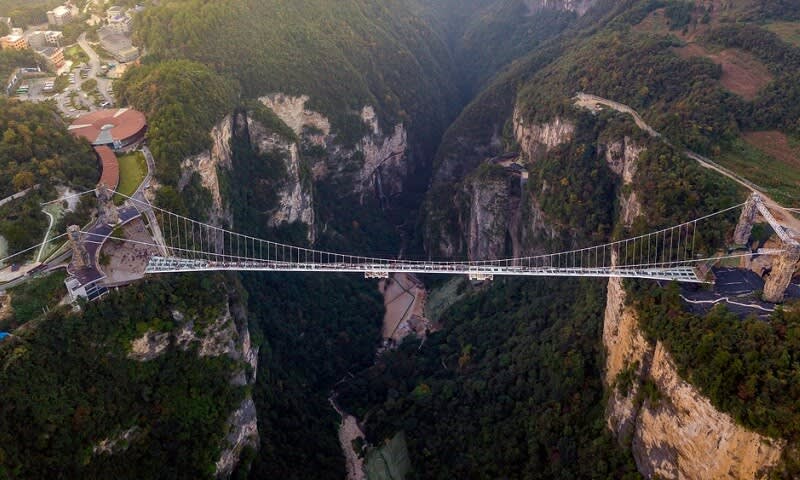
pixel 669 273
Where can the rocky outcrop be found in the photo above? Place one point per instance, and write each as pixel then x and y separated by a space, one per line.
pixel 381 160
pixel 494 205
pixel 208 163
pixel 149 346
pixel 535 140
pixel 679 433
pixel 293 112
pixel 295 195
pixel 243 432
pixel 386 165
pixel 578 6
pixel 117 443
pixel 622 158
pixel 780 276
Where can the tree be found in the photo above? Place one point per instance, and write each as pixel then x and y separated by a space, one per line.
pixel 23 180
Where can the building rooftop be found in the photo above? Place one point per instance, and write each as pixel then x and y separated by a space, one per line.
pixel 104 127
pixel 61 10
pixel 110 165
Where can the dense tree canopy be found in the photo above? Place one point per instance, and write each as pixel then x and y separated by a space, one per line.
pixel 68 385
pixel 182 101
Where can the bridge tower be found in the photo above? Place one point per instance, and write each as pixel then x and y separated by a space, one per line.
pixel 80 257
pixel 785 264
pixel 780 276
pixel 746 220
pixel 105 199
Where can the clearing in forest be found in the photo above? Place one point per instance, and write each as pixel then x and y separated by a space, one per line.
pixel 788 31
pixel 742 73
pixel 770 160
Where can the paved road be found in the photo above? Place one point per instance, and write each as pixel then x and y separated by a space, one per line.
pixel 94 64
pixel 17 195
pixel 780 212
pixel 735 288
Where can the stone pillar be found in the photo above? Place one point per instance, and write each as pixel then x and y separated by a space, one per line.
pixel 80 258
pixel 745 226
pixel 781 275
pixel 105 203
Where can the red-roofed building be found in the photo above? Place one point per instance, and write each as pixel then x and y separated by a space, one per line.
pixel 116 129
pixel 110 166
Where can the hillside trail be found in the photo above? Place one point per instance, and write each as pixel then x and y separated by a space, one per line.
pixel 782 214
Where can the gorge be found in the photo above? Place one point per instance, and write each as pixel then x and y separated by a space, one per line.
pixel 424 129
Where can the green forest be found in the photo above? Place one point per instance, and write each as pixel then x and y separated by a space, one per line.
pixel 511 387
pixel 361 52
pixel 36 149
pixel 68 385
pixel 182 101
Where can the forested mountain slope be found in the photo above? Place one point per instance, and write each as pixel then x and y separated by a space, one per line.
pixel 331 123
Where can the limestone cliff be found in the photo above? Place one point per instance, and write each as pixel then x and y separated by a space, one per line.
pixel 295 196
pixel 379 163
pixel 622 157
pixel 677 433
pixel 680 434
pixel 227 335
pixel 208 163
pixel 535 140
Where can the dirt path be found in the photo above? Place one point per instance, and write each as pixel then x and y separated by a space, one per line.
pixel 348 432
pixel 780 212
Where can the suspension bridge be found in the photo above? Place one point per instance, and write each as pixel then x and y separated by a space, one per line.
pixel 182 244
pixel 175 243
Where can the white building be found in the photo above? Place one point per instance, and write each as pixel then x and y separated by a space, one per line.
pixel 61 15
pixel 42 39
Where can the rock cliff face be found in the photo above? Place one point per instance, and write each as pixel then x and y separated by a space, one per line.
pixel 679 435
pixel 493 225
pixel 207 164
pixel 537 139
pixel 295 196
pixel 226 335
pixel 379 164
pixel 622 157
pixel 578 6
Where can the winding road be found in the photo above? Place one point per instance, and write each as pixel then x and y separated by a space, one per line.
pixel 781 213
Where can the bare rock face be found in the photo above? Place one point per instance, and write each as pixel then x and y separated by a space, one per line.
pixel 383 162
pixel 535 140
pixel 578 6
pixel 243 432
pixel 489 218
pixel 149 346
pixel 295 196
pixel 386 164
pixel 681 434
pixel 293 112
pixel 622 158
pixel 783 268
pixel 207 164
